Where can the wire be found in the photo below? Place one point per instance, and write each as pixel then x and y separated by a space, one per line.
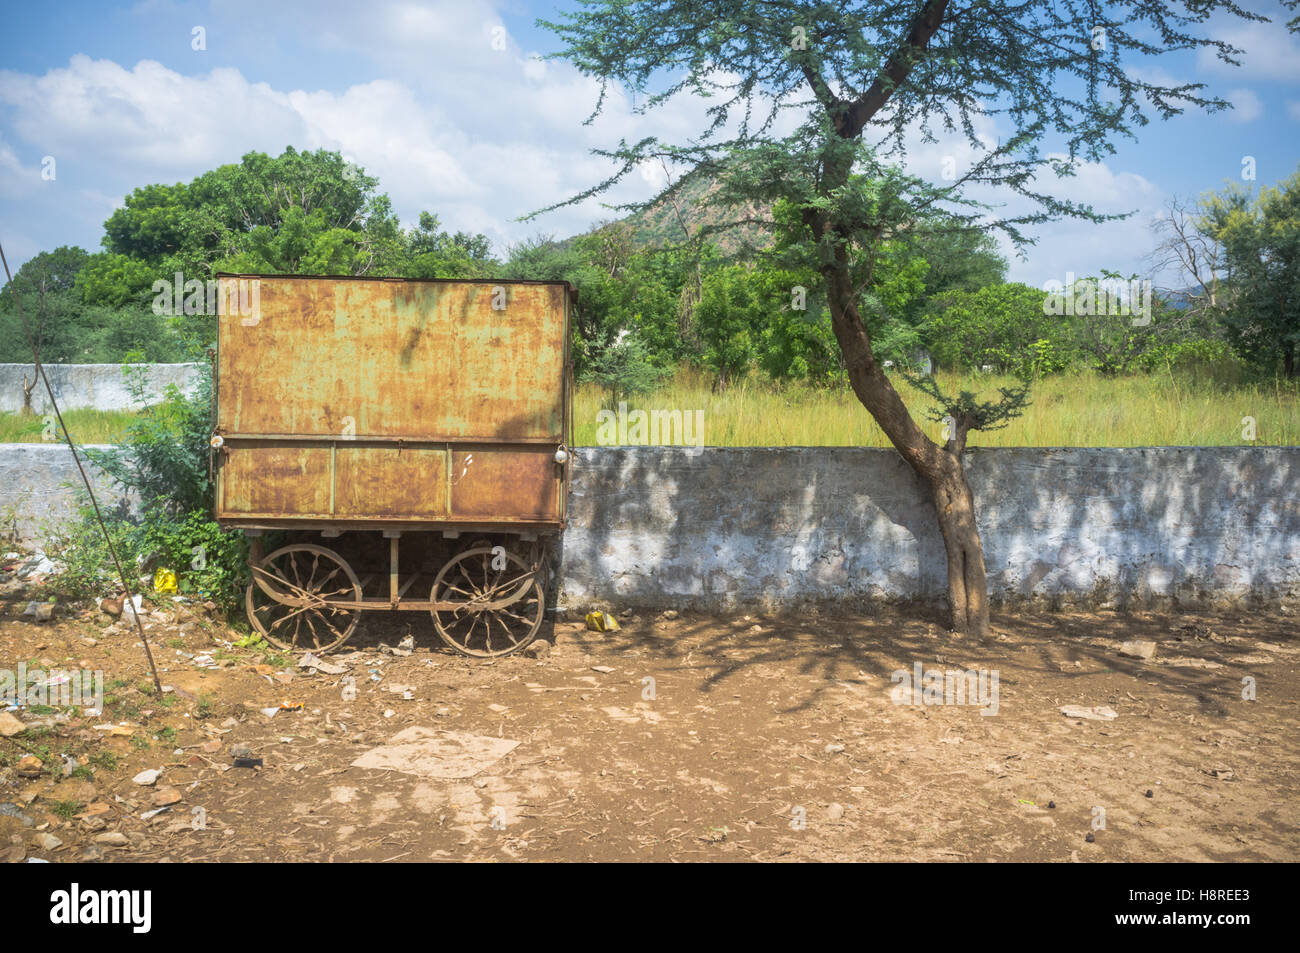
pixel 40 369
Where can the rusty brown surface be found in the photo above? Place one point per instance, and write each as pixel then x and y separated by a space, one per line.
pixel 521 482
pixel 347 399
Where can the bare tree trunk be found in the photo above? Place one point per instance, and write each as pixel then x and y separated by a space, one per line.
pixel 939 467
pixel 27 393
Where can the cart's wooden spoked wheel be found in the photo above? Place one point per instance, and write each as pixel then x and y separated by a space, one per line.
pixel 293 598
pixel 492 602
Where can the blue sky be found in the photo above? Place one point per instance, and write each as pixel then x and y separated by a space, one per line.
pixel 416 94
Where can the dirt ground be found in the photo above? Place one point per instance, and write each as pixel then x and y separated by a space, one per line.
pixel 759 738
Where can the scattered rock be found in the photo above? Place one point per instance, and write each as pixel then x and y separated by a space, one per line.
pixel 148 777
pixel 1139 648
pixel 1089 838
pixel 165 797
pixel 9 725
pixel 29 766
pixel 92 853
pixel 241 751
pixel 311 662
pixel 669 614
pixel 834 748
pixel 112 839
pixel 1150 793
pixel 1095 713
pixel 835 812
pixel 12 810
pixel 39 611
pixel 603 669
pixel 539 648
pixel 111 606
pixel 48 842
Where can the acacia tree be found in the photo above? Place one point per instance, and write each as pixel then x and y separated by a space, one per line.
pixel 863 74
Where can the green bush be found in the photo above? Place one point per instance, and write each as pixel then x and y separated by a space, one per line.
pixel 162 462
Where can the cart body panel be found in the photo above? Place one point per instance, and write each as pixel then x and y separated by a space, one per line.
pixel 392 403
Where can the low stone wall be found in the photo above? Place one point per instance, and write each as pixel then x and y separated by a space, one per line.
pixel 95 386
pixel 720 528
pixel 785 526
pixel 40 487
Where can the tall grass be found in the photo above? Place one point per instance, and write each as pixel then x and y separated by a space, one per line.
pixel 1082 409
pixel 87 426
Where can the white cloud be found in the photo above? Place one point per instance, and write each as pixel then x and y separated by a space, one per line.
pixel 1246 106
pixel 1271 51
pixel 447 123
pixel 1084 248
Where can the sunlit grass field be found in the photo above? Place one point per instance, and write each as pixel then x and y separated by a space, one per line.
pixel 87 426
pixel 1069 410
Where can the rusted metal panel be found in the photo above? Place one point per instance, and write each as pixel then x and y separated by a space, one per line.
pixel 386 358
pixel 273 480
pixel 402 484
pixel 347 399
pixel 488 481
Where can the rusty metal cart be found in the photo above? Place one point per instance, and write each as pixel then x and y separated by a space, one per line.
pixel 434 416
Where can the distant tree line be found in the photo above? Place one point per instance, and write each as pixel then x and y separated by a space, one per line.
pixel 649 304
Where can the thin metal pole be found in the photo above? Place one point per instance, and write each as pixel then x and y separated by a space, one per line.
pixel 40 369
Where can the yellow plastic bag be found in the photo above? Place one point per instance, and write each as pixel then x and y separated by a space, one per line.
pixel 164 580
pixel 601 622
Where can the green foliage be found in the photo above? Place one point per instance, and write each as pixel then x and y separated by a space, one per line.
pixel 1002 326
pixel 965 411
pixel 164 454
pixel 623 368
pixel 162 462
pixel 1260 238
pixel 728 318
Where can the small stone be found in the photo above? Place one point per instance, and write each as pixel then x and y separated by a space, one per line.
pixel 165 796
pixel 241 751
pixel 1051 805
pixel 1090 839
pixel 112 839
pixel 835 812
pixel 111 606
pixel 603 669
pixel 669 614
pixel 147 777
pixel 29 766
pixel 9 725
pixel 211 746
pixel 92 853
pixel 539 648
pixel 1095 713
pixel 48 842
pixel 93 823
pixel 1150 793
pixel 1139 648
pixel 834 749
